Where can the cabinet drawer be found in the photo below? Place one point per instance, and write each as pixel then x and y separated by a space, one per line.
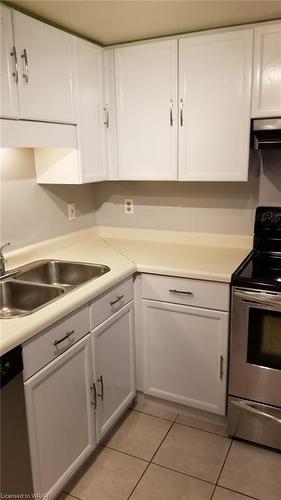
pixel 111 301
pixel 210 294
pixel 40 350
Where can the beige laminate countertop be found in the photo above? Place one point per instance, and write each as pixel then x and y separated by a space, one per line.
pixel 201 256
pixel 125 251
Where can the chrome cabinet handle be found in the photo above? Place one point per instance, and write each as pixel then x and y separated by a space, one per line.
pixel 15 73
pixel 100 395
pixel 106 121
pixel 94 394
pixel 119 297
pixel 25 67
pixel 66 336
pixel 181 292
pixel 181 112
pixel 221 367
pixel 171 112
pixel 258 413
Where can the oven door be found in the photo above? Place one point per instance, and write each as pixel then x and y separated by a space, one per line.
pixel 255 352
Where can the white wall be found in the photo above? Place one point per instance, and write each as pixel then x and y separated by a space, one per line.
pixel 30 212
pixel 193 206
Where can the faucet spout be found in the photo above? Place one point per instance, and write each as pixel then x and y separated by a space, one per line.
pixel 2 258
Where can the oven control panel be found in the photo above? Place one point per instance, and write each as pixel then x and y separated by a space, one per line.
pixel 268 222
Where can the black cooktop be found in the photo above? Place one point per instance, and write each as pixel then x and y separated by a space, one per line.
pixel 262 268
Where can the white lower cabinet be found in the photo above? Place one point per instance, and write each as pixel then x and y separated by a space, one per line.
pixel 185 354
pixel 114 367
pixel 61 419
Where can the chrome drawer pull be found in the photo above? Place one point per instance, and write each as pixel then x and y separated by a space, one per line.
pixel 67 335
pixel 171 112
pixel 119 297
pixel 94 394
pixel 221 367
pixel 181 292
pixel 181 112
pixel 15 73
pixel 106 121
pixel 100 395
pixel 25 69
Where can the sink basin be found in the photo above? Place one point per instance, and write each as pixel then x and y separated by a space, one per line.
pixel 18 299
pixel 60 273
pixel 27 288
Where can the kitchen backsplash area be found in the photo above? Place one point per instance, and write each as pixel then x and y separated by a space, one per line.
pixel 193 206
pixel 30 208
pixel 32 213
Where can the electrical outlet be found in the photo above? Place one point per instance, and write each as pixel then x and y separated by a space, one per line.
pixel 71 211
pixel 129 206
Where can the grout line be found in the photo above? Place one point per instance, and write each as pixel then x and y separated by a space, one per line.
pixel 203 430
pixel 125 453
pixel 70 495
pixel 150 462
pixel 172 424
pixel 156 416
pixel 226 456
pixel 235 491
pixel 138 481
pixel 183 473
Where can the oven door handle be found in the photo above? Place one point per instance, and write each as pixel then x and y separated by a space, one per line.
pixel 259 298
pixel 257 413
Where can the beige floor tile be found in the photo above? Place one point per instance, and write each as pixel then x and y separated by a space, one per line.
pixel 139 435
pixel 223 494
pixel 110 476
pixel 205 422
pixel 198 453
pixel 253 471
pixel 162 484
pixel 155 410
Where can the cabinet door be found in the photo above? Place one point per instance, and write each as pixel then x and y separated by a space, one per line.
pixel 267 71
pixel 90 128
pixel 185 355
pixel 9 73
pixel 146 101
pixel 45 71
pixel 60 418
pixel 113 346
pixel 215 98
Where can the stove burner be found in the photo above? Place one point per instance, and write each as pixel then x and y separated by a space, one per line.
pixel 262 267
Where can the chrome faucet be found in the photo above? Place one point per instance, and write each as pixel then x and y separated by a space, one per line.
pixel 2 258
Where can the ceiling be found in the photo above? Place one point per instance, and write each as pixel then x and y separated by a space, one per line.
pixel 108 22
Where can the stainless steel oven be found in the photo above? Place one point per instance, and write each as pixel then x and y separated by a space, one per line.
pixel 254 401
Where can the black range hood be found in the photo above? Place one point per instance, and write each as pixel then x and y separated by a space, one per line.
pixel 266 133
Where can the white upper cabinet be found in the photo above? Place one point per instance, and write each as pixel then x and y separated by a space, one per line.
pixel 86 162
pixel 9 106
pixel 90 104
pixel 214 106
pixel 267 72
pixel 146 103
pixel 45 71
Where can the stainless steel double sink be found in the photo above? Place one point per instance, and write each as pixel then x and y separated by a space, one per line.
pixel 28 288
